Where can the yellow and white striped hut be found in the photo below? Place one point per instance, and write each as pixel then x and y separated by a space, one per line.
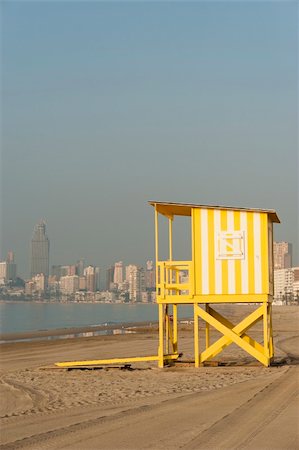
pixel 232 262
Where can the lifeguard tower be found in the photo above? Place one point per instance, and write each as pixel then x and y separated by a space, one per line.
pixel 232 263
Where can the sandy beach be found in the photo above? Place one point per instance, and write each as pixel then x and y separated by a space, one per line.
pixel 240 404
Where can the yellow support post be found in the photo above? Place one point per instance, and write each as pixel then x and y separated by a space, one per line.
pixel 207 328
pixel 271 344
pixel 157 245
pixel 196 337
pixel 171 339
pixel 170 247
pixel 167 330
pixel 266 330
pixel 161 336
pixel 175 328
pixel 170 238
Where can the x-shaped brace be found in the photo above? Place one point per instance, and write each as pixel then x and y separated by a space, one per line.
pixel 231 333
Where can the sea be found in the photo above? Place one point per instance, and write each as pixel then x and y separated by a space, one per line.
pixel 18 317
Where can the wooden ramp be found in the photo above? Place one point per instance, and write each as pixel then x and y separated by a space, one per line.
pixel 114 361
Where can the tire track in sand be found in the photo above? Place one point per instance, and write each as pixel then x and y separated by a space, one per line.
pixel 237 429
pixel 133 424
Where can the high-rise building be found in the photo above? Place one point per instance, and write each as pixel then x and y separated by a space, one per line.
pixel 53 285
pixel 118 273
pixel 89 273
pixel 10 257
pixel 3 271
pixel 135 277
pixel 11 266
pixel 40 250
pixel 82 283
pixel 282 255
pixel 69 284
pixel 8 269
pixel 29 287
pixel 72 270
pixel 39 281
pixel 80 267
pixel 284 283
pixel 150 276
pixel 11 271
pixel 109 278
pixel 296 283
pixel 97 275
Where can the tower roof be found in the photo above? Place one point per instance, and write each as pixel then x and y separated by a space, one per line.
pixel 170 209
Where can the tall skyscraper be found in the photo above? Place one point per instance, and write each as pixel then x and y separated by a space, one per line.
pixel 135 278
pixel 282 255
pixel 89 273
pixel 40 250
pixel 118 273
pixel 11 266
pixel 97 274
pixel 109 277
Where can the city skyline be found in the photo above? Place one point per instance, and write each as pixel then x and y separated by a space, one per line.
pixel 193 102
pixel 282 259
pixel 120 283
pixel 39 234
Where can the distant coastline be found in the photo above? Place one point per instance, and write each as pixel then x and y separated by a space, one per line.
pixel 77 332
pixel 99 302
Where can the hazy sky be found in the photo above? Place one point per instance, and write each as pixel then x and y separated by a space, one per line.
pixel 106 105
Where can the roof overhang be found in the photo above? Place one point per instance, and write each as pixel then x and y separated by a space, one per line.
pixel 169 209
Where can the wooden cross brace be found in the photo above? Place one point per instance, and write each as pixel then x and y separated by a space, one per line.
pixel 233 333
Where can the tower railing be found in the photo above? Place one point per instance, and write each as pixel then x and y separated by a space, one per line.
pixel 175 278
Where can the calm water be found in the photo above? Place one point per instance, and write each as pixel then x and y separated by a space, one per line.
pixel 31 316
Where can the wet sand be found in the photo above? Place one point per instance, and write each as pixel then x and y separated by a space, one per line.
pixel 61 332
pixel 240 405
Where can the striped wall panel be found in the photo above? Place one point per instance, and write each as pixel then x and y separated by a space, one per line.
pixel 230 250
